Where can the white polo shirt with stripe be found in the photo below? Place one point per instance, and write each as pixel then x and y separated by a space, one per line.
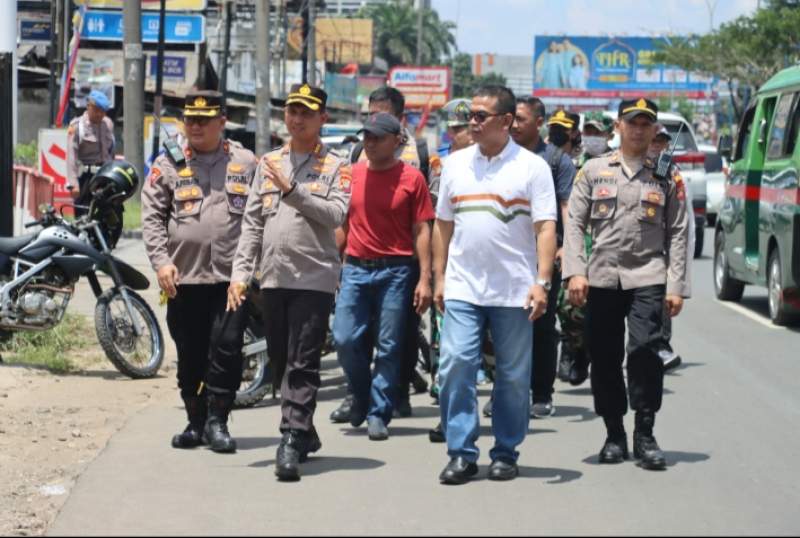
pixel 494 203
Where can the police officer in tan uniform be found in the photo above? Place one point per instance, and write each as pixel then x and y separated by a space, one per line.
pixel 300 197
pixel 192 213
pixel 90 144
pixel 637 268
pixel 415 153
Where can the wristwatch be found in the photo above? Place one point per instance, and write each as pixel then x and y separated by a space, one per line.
pixel 546 284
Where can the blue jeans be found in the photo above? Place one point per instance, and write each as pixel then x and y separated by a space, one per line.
pixel 460 360
pixel 381 295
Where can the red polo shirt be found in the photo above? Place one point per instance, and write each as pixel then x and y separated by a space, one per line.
pixel 384 206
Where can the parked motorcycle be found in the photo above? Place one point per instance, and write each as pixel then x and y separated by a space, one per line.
pixel 38 273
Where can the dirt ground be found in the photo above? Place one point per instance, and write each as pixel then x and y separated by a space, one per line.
pixel 52 426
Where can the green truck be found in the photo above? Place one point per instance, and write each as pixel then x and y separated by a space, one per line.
pixel 757 233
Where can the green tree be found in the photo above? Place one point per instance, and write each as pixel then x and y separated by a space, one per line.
pixel 744 53
pixel 396 33
pixel 464 81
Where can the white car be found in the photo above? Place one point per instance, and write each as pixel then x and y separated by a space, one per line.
pixel 715 181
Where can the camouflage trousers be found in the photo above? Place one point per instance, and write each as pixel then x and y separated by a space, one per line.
pixel 573 326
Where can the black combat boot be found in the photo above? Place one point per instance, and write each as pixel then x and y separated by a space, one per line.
pixel 294 449
pixel 615 449
pixel 216 430
pixel 192 436
pixel 645 447
pixel 341 414
pixel 579 372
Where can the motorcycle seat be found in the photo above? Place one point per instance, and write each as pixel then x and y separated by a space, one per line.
pixel 11 245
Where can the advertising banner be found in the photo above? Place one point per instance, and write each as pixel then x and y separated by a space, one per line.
pixel 107 26
pixel 34 31
pixel 342 91
pixel 422 86
pixel 608 67
pixel 339 41
pixel 151 5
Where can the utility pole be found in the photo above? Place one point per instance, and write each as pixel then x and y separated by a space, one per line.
pixel 8 47
pixel 263 46
pixel 133 92
pixel 419 32
pixel 226 51
pixel 158 100
pixel 311 42
pixel 52 56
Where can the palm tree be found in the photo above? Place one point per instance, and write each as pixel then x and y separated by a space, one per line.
pixel 396 33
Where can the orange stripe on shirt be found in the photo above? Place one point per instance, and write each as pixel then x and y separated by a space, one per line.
pixel 495 197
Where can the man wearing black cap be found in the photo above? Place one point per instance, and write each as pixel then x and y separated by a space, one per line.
pixel 388 222
pixel 300 197
pixel 637 268
pixel 192 209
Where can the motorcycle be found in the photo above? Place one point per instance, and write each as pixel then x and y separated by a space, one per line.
pixel 257 379
pixel 38 273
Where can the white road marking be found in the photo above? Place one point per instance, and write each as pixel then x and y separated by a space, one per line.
pixel 750 314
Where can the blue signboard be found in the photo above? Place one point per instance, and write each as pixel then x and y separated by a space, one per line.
pixel 107 26
pixel 606 67
pixel 342 91
pixel 36 31
pixel 174 66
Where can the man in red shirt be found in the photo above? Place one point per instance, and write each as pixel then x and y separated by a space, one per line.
pixel 388 221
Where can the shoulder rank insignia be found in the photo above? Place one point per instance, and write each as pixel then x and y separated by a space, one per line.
pixel 185 172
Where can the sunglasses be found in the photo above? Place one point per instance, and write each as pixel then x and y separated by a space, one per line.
pixel 481 116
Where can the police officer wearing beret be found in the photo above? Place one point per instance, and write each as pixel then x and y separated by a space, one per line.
pixel 192 211
pixel 90 144
pixel 299 198
pixel 637 268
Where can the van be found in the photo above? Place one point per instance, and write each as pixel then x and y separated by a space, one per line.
pixel 757 233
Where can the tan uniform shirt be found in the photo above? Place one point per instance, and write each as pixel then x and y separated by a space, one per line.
pixel 88 143
pixel 293 235
pixel 639 227
pixel 192 217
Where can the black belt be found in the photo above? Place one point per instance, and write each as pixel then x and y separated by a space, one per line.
pixel 378 263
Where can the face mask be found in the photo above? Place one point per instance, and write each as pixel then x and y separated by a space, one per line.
pixel 558 137
pixel 595 145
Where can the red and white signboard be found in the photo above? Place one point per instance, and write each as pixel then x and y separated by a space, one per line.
pixel 53 161
pixel 422 87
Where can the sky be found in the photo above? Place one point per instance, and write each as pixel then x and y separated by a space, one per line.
pixel 509 26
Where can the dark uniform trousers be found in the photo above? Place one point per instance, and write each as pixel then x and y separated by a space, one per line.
pixel 545 346
pixel 208 339
pixel 296 323
pixel 606 315
pixel 410 340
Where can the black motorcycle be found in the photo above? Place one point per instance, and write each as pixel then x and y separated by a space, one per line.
pixel 38 273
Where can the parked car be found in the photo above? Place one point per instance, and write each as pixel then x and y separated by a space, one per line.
pixel 716 168
pixel 757 233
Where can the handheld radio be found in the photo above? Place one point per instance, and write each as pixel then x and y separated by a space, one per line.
pixel 665 159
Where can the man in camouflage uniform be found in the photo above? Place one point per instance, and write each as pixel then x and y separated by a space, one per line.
pixel 573 366
pixel 192 213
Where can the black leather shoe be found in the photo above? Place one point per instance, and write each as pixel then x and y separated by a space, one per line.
pixel 191 437
pixel 578 374
pixel 287 463
pixel 358 413
pixel 503 470
pixel 436 435
pixel 565 363
pixel 341 414
pixel 646 449
pixel 614 451
pixel 216 430
pixel 403 408
pixel 313 445
pixel 458 472
pixel 196 412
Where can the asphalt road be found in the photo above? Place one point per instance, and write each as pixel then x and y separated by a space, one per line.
pixel 728 426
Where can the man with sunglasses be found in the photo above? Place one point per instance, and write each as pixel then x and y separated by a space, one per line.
pixel 636 270
pixel 299 199
pixel 192 210
pixel 494 245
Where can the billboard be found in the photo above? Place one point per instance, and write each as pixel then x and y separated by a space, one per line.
pixel 339 41
pixel 178 28
pixel 342 91
pixel 422 86
pixel 608 67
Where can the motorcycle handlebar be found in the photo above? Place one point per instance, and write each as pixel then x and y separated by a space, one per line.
pixel 34 223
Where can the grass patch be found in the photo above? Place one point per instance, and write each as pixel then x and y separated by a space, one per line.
pixel 56 349
pixel 132 218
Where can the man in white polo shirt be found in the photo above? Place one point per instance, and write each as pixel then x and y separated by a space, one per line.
pixel 495 220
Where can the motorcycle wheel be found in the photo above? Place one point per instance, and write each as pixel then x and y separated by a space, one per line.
pixel 138 358
pixel 255 374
